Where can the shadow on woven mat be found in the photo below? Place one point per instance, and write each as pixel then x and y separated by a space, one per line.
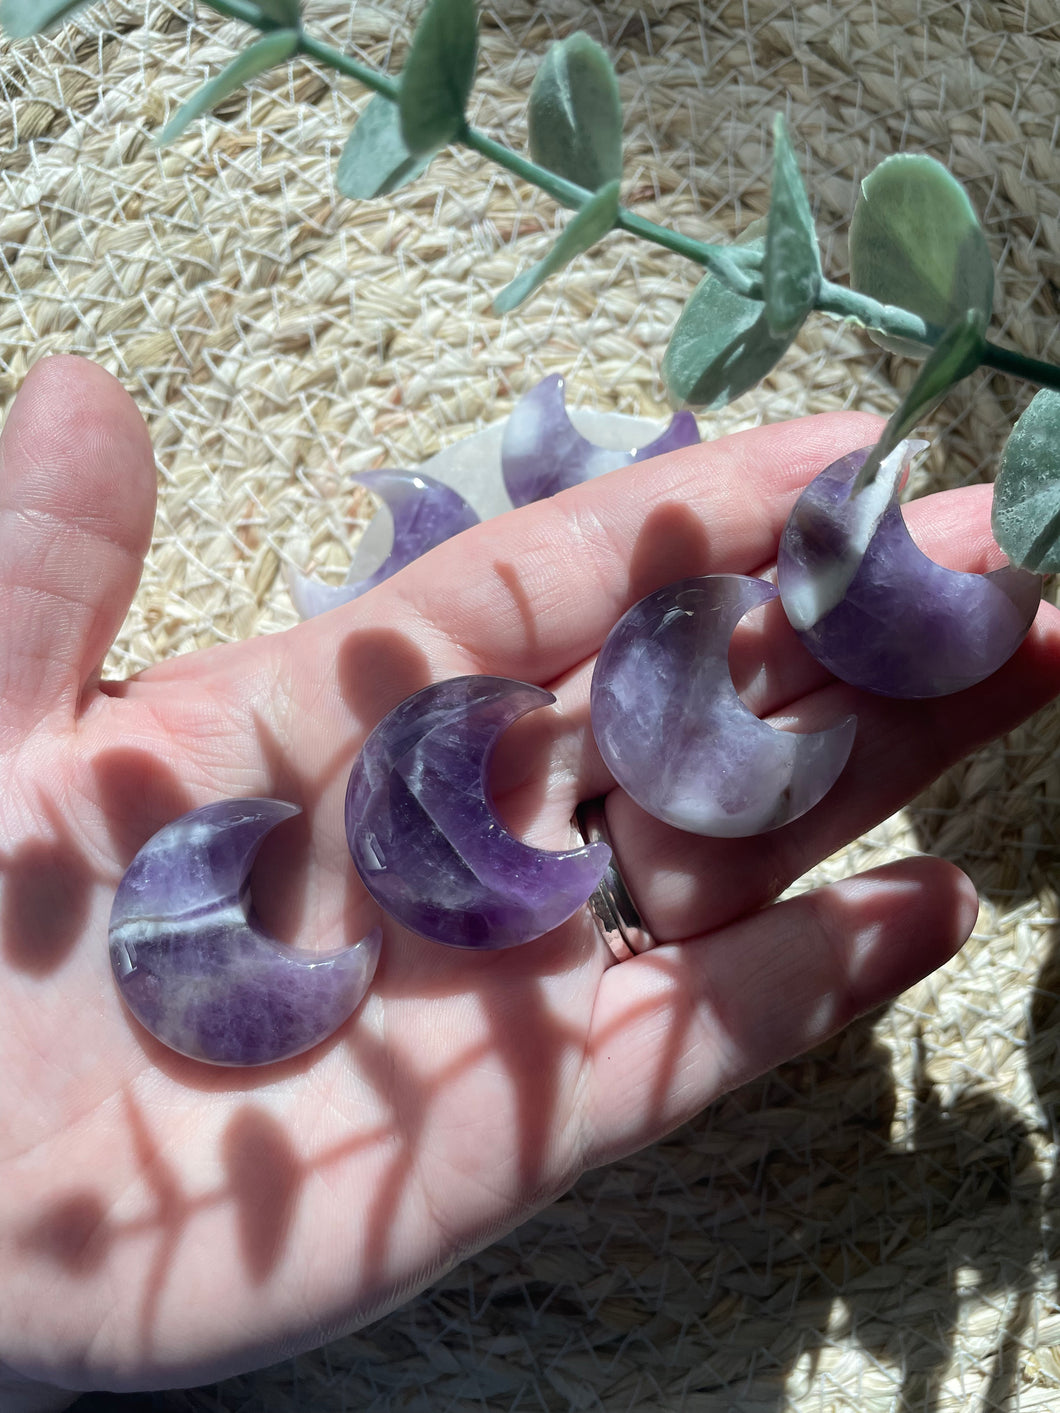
pixel 997 813
pixel 1043 1062
pixel 869 1240
pixel 875 1226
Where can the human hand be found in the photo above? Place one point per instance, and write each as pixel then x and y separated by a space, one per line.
pixel 163 1222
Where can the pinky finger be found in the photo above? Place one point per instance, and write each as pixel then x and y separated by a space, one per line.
pixel 676 1027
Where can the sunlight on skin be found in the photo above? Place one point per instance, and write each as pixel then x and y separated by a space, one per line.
pixel 164 1223
pixel 748 999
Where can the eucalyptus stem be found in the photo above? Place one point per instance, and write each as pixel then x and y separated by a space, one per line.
pixel 1019 365
pixel 363 73
pixel 736 266
pixel 900 323
pixel 728 263
pixel 244 10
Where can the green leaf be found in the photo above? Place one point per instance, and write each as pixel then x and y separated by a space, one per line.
pixel 1026 514
pixel 20 18
pixel 958 352
pixel 575 114
pixel 375 160
pixel 791 273
pixel 915 242
pixel 588 224
pixel 282 12
pixel 438 75
pixel 265 53
pixel 721 345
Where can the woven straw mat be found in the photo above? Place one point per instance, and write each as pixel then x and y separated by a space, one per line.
pixel 870 1227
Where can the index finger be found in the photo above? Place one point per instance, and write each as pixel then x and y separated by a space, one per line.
pixel 534 593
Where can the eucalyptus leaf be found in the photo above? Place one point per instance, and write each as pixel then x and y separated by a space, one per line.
pixel 791 273
pixel 1026 514
pixel 375 160
pixel 438 75
pixel 20 18
pixel 588 224
pixel 916 242
pixel 265 53
pixel 575 114
pixel 721 345
pixel 958 352
pixel 282 12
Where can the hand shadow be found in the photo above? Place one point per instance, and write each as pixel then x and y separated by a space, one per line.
pixel 786 1216
pixel 1043 1062
pixel 995 813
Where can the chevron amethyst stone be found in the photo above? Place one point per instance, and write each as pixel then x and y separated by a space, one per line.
pixel 425 512
pixel 542 452
pixel 425 836
pixel 675 734
pixel 193 963
pixel 874 609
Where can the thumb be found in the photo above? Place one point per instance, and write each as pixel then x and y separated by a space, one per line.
pixel 77 502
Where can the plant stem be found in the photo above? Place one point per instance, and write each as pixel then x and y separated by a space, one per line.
pixel 244 10
pixel 899 323
pixel 1035 370
pixel 728 263
pixel 736 266
pixel 363 73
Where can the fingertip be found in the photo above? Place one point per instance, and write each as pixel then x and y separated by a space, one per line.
pixel 897 924
pixel 75 445
pixel 699 1017
pixel 832 434
pixel 967 911
pixel 77 504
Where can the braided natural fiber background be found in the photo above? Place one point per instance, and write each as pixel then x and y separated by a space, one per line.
pixel 874 1227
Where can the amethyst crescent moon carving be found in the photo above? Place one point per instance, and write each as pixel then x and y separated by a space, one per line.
pixel 542 452
pixel 423 831
pixel 424 512
pixel 194 965
pixel 675 734
pixel 874 609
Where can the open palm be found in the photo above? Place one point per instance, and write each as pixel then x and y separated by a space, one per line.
pixel 163 1222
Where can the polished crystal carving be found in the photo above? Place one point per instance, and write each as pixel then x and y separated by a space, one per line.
pixel 675 734
pixel 425 836
pixel 193 963
pixel 424 513
pixel 874 609
pixel 542 452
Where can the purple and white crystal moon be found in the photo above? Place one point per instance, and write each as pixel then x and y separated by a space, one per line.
pixel 676 736
pixel 874 609
pixel 543 453
pixel 424 513
pixel 192 962
pixel 424 834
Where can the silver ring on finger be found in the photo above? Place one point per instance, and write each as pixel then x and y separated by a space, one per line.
pixel 614 911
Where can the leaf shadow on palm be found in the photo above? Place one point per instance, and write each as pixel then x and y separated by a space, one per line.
pixel 519 1032
pixel 47 882
pixel 454 1093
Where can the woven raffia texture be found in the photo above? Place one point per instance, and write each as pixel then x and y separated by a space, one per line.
pixel 873 1227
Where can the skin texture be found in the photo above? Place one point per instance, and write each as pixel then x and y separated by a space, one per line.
pixel 164 1223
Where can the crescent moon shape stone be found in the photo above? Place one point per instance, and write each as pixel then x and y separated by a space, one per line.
pixel 192 962
pixel 676 736
pixel 424 511
pixel 424 834
pixel 874 609
pixel 542 452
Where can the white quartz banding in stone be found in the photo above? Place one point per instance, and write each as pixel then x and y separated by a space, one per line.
pixel 195 966
pixel 810 598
